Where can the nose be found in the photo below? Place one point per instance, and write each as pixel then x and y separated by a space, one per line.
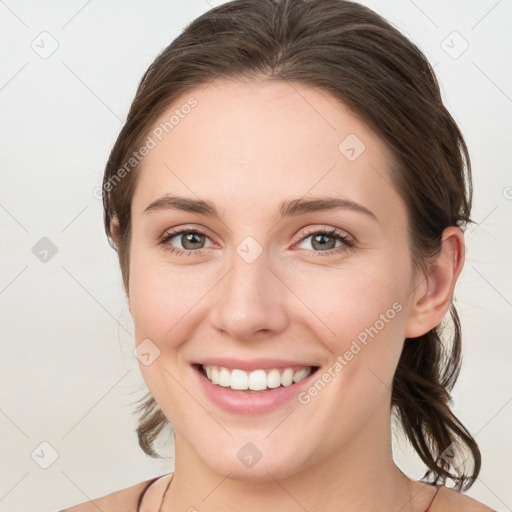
pixel 250 301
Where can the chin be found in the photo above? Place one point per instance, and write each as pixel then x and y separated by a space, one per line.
pixel 244 462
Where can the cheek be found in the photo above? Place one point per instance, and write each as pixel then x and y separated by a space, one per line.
pixel 161 308
pixel 361 322
pixel 361 316
pixel 162 297
pixel 163 303
pixel 348 302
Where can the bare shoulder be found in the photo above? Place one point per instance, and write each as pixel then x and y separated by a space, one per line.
pixel 449 500
pixel 124 499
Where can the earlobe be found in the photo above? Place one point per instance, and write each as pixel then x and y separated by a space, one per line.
pixel 115 230
pixel 433 297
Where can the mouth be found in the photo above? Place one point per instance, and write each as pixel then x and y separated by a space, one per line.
pixel 256 381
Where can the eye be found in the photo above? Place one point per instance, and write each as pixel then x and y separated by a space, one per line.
pixel 326 242
pixel 191 241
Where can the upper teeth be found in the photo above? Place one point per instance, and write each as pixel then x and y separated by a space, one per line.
pixel 256 380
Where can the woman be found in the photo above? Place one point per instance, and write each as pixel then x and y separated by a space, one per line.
pixel 287 199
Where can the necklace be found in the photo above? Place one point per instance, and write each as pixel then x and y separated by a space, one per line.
pixel 165 493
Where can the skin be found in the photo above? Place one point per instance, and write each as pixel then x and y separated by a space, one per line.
pixel 247 147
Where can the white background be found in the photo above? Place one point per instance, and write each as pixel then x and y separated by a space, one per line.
pixel 68 376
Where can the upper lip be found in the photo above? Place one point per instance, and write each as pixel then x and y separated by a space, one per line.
pixel 263 363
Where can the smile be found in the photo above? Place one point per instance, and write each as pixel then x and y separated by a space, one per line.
pixel 256 380
pixel 250 386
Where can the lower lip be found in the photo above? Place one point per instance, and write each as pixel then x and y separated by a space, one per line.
pixel 247 402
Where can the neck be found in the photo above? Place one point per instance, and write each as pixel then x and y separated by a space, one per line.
pixel 360 476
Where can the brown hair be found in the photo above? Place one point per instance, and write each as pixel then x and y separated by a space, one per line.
pixel 355 55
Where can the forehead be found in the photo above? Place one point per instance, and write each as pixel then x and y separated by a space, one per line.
pixel 261 140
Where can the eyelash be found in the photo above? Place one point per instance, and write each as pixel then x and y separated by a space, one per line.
pixel 333 233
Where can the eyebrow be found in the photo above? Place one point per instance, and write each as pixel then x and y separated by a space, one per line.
pixel 286 209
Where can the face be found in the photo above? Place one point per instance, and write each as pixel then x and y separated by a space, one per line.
pixel 268 242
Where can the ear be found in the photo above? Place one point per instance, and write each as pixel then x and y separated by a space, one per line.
pixel 115 230
pixel 433 296
pixel 115 233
